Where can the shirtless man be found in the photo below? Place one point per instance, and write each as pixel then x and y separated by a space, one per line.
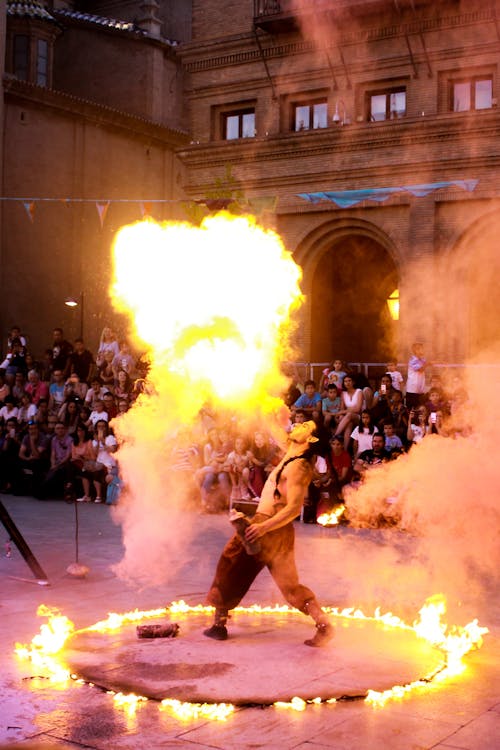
pixel 282 498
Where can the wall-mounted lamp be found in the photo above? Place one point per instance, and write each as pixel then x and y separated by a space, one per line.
pixel 393 304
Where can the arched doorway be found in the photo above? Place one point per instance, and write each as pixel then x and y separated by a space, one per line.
pixel 350 286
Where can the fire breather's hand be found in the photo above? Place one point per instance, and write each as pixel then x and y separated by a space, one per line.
pixel 254 531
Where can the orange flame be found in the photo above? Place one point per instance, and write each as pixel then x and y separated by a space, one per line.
pixel 332 518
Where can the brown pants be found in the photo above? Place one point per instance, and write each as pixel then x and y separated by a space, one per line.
pixel 236 569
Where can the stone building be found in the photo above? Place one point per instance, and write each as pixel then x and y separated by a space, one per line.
pixel 370 126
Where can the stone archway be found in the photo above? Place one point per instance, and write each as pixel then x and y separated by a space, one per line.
pixel 349 272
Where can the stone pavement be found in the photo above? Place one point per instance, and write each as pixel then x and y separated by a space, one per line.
pixel 462 713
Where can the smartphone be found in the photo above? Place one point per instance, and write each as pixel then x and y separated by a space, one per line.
pixel 383 388
pixel 433 417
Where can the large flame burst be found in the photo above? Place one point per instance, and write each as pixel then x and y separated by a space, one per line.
pixel 454 642
pixel 212 302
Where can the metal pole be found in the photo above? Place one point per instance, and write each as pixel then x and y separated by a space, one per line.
pixel 22 546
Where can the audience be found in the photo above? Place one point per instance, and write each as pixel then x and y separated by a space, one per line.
pixel 57 440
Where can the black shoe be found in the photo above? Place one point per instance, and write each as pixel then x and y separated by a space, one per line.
pixel 217 632
pixel 324 634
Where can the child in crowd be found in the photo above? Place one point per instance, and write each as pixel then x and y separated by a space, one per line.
pixel 396 377
pixel 363 433
pixel 331 406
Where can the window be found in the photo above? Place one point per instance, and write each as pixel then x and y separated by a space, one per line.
pixel 238 125
pixel 310 116
pixel 472 94
pixel 42 60
pixel 21 57
pixel 386 105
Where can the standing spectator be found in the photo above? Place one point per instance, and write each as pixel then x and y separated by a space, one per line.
pixel 80 361
pixel 415 384
pixel 15 333
pixel 37 388
pixel 334 374
pixel 107 343
pixel 61 349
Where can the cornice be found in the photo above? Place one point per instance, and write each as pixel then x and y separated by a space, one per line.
pixel 98 113
pixel 299 46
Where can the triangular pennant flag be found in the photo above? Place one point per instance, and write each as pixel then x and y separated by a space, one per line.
pixel 146 209
pixel 30 210
pixel 102 209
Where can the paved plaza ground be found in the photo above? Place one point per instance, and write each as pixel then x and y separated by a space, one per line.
pixel 264 658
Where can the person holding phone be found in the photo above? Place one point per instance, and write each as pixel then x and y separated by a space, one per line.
pixel 418 427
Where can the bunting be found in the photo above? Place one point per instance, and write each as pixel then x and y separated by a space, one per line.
pixel 102 210
pixel 348 198
pixel 29 207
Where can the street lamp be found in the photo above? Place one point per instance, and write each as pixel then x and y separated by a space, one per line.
pixel 77 302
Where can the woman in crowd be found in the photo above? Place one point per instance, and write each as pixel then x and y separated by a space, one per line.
pixel 123 385
pixel 105 444
pixel 69 414
pixel 214 474
pixel 84 465
pixel 264 456
pixel 106 371
pixel 107 343
pixel 352 402
pixel 417 427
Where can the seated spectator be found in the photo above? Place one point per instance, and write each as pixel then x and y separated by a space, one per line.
pixel 399 416
pixel 362 434
pixel 75 387
pixel 184 462
pixel 106 444
pixel 362 382
pixel 436 402
pixel 34 455
pixel 57 392
pixel 417 426
pixel 323 491
pixel 18 386
pixel 124 360
pixel 352 403
pixel 8 410
pixel 264 456
pixel 376 455
pixel 123 407
pixel 331 406
pixel 26 411
pixel 60 455
pixel 123 385
pixel 84 416
pixel 393 443
pixel 110 406
pixel 381 403
pixel 69 415
pixel 84 466
pixel 10 442
pixel 334 374
pixel 98 414
pixel 396 378
pixel 106 371
pixel 238 461
pixel 341 461
pixel 214 474
pixel 107 343
pixel 95 393
pixel 80 361
pixel 4 389
pixel 36 388
pixel 42 415
pixel 310 400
